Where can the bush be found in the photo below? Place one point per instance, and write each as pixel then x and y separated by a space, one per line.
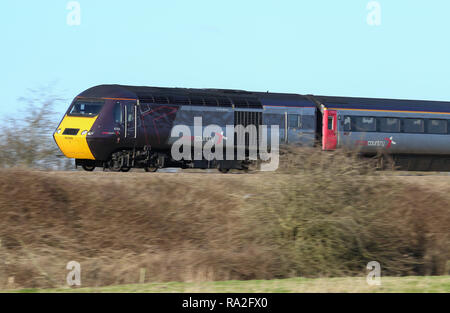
pixel 323 219
pixel 326 219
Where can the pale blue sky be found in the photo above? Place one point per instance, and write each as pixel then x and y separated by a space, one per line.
pixel 316 46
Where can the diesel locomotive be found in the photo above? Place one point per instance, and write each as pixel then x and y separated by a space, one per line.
pixel 120 127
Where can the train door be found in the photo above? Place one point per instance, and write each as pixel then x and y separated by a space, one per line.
pixel 125 115
pixel 329 130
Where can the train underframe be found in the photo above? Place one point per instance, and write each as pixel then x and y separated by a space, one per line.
pixel 412 162
pixel 151 161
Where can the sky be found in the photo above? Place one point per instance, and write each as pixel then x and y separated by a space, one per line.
pixel 389 49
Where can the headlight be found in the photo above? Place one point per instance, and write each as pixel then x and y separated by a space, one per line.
pixel 58 131
pixel 90 133
pixel 84 132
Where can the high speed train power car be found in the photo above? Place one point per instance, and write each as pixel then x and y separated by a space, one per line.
pixel 122 127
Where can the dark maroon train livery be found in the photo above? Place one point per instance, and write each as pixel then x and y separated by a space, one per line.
pixel 130 127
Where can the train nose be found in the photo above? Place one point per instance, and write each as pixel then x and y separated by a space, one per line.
pixel 71 138
pixel 74 146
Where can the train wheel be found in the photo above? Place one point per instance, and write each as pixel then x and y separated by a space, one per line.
pixel 89 168
pixel 150 169
pixel 114 165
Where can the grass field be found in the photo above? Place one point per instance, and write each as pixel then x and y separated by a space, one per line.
pixel 434 284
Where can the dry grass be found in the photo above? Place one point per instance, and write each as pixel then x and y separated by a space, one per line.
pixel 416 284
pixel 175 230
pixel 328 217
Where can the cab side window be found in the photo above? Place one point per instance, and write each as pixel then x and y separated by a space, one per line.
pixel 118 113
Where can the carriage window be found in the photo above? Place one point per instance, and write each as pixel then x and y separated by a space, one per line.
pixel 294 121
pixel 307 121
pixel 389 125
pixel 413 125
pixel 437 126
pixel 347 124
pixel 364 124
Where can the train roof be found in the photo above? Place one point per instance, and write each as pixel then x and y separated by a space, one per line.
pixel 142 92
pixel 227 97
pixel 190 96
pixel 380 104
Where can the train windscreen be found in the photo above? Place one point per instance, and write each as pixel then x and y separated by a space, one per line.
pixel 86 108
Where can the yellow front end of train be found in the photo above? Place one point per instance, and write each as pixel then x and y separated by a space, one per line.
pixel 71 137
pixel 71 134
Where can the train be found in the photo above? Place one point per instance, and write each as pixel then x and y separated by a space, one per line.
pixel 118 127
